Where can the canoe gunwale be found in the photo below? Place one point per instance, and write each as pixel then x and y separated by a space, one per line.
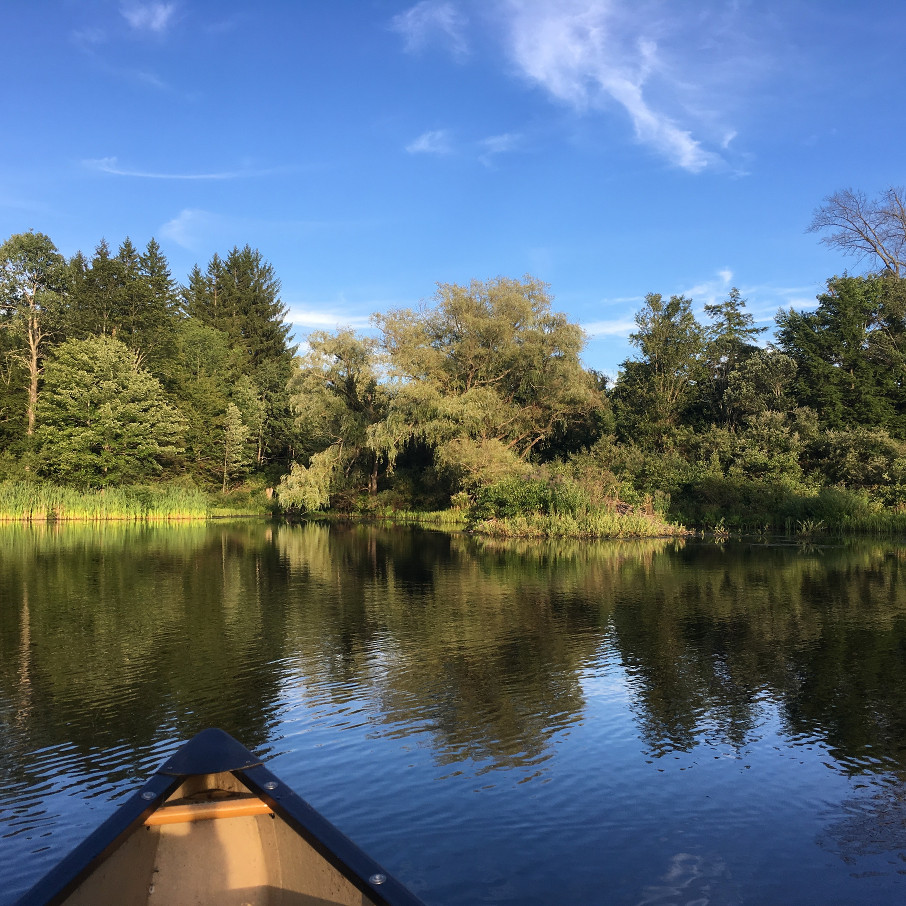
pixel 214 751
pixel 69 873
pixel 330 842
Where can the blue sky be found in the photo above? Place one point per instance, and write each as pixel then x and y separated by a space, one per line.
pixel 372 148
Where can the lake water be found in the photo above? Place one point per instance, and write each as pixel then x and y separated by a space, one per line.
pixel 654 722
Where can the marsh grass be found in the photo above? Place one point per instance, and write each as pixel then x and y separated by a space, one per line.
pixel 36 501
pixel 442 518
pixel 594 524
pixel 241 502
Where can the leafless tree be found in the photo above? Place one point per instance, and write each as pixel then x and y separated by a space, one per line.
pixel 873 228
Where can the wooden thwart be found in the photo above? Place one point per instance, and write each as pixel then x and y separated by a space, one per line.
pixel 206 811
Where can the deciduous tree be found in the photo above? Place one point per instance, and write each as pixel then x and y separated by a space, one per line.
pixel 653 389
pixel 103 420
pixel 337 397
pixel 489 369
pixel 33 281
pixel 868 228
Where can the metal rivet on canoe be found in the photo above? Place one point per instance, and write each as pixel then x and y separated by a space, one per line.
pixel 377 879
pixel 271 785
pixel 148 795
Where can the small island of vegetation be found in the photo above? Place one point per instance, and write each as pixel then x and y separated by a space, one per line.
pixel 125 395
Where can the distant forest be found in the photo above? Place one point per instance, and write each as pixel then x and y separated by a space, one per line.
pixel 113 374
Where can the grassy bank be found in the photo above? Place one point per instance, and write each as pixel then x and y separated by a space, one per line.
pixel 737 506
pixel 449 519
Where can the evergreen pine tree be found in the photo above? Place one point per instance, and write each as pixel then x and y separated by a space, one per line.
pixel 240 296
pixel 843 371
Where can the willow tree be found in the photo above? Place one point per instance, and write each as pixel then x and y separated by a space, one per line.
pixel 337 398
pixel 484 377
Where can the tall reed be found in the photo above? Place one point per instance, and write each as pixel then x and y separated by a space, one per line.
pixel 34 501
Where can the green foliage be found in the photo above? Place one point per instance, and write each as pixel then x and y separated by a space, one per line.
pixel 865 460
pixel 768 448
pixel 761 383
pixel 477 397
pixel 473 462
pixel 490 368
pixel 34 280
pixel 731 333
pixel 338 399
pixel 130 296
pixel 653 390
pixel 849 368
pixel 730 342
pixel 598 524
pixel 202 374
pixel 248 499
pixel 236 458
pixel 102 419
pixel 240 297
pixel 546 505
pixel 512 497
pixel 308 488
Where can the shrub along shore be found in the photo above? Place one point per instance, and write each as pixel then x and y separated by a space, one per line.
pixel 536 510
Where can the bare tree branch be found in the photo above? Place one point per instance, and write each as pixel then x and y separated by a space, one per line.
pixel 867 228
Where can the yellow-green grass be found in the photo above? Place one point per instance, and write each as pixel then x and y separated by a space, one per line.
pixel 35 501
pixel 600 524
pixel 446 518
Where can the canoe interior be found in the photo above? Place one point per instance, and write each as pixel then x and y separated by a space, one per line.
pixel 248 857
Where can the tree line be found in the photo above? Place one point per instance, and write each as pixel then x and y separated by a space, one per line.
pixel 478 398
pixel 113 373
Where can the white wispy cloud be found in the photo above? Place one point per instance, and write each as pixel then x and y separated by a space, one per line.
pixel 614 327
pixel 498 144
pixel 711 291
pixel 111 165
pixel 436 141
pixel 153 17
pixel 593 54
pixel 192 228
pixel 324 318
pixel 429 21
pixel 89 37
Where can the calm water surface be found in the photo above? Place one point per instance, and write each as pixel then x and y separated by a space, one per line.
pixel 625 723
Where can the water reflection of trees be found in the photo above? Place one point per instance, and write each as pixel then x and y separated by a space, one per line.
pixel 484 657
pixel 485 642
pixel 715 631
pixel 120 637
pixel 132 635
